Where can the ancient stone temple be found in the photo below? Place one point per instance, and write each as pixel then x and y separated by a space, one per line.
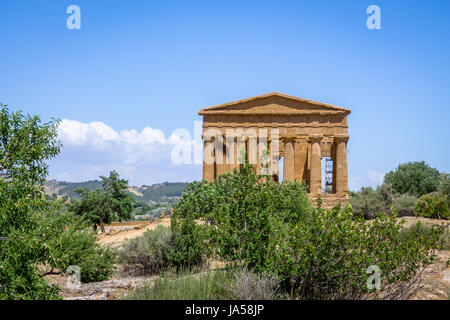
pixel 307 137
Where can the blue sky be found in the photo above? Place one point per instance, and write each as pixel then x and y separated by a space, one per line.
pixel 138 70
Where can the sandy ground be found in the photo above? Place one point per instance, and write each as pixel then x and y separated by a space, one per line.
pixel 116 234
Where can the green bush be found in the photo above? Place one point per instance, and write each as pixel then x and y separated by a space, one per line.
pixel 367 203
pixel 328 257
pixel 244 212
pixel 427 231
pixel 149 253
pixel 416 178
pixel 187 244
pixel 405 205
pixel 432 206
pixel 72 243
pixel 272 229
pixel 97 266
pixel 444 185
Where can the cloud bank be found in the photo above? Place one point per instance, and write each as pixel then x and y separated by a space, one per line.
pixel 93 149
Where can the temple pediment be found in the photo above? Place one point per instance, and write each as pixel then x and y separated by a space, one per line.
pixel 274 103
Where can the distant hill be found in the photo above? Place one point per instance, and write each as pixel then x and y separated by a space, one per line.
pixel 159 192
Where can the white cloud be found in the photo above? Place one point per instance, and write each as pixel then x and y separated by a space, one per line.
pixel 93 149
pixel 372 179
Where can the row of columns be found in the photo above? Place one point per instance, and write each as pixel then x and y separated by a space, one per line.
pixel 217 162
pixel 302 158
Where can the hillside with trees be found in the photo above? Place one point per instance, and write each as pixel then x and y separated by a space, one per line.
pixel 158 192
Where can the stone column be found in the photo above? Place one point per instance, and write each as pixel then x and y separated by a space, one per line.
pixel 232 153
pixel 263 155
pixel 253 152
pixel 208 161
pixel 301 150
pixel 274 147
pixel 240 149
pixel 333 157
pixel 288 164
pixel 315 177
pixel 219 156
pixel 341 164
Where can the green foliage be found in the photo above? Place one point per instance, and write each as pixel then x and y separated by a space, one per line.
pixel 97 265
pixel 149 253
pixel 213 285
pixel 158 192
pixel 110 203
pixel 317 254
pixel 181 246
pixel 71 243
pixel 385 194
pixel 416 178
pixel 367 203
pixel 427 231
pixel 245 209
pixel 444 185
pixel 25 144
pixel 328 257
pixel 140 208
pixel 187 245
pixel 225 284
pixel 405 204
pixel 433 206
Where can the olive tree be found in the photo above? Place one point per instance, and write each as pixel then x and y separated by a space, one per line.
pixel 109 203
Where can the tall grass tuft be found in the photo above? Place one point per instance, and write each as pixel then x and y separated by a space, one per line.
pixel 224 284
pixel 213 285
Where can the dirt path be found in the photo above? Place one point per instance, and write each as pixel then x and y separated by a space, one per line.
pixel 118 234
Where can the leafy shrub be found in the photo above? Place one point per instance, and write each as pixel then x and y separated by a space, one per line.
pixel 97 266
pixel 72 243
pixel 187 244
pixel 328 257
pixel 444 185
pixel 273 229
pixel 416 178
pixel 432 206
pixel 149 253
pixel 367 203
pixel 405 205
pixel 427 231
pixel 244 211
pixel 385 194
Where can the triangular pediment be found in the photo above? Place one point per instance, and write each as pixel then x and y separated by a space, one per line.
pixel 274 103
